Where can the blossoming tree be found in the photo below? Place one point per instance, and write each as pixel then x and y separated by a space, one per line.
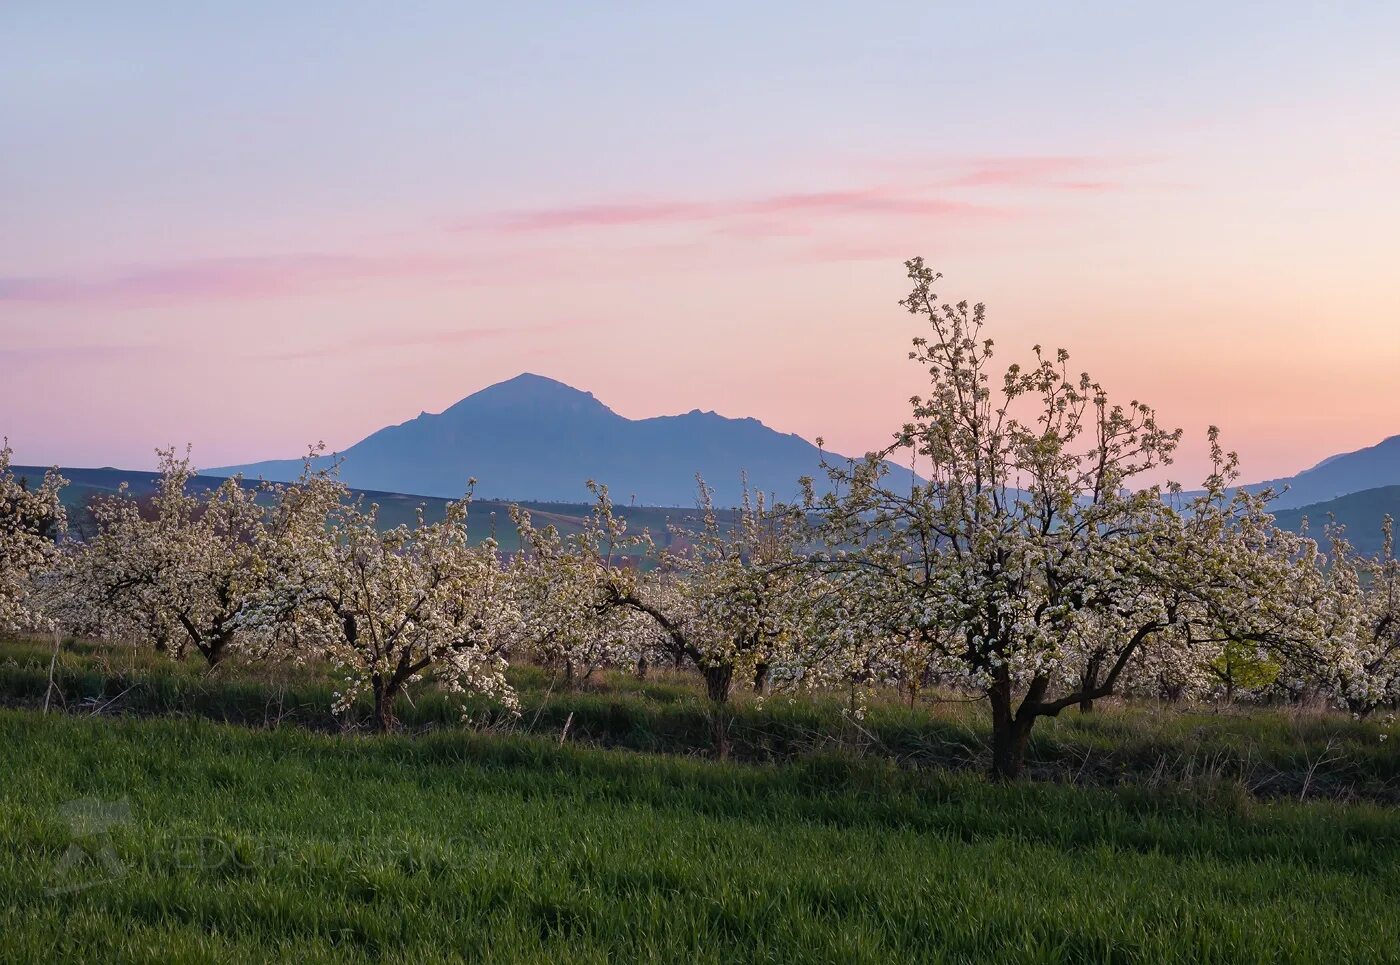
pixel 1025 541
pixel 729 599
pixel 31 518
pixel 1349 653
pixel 180 570
pixel 387 608
pixel 566 587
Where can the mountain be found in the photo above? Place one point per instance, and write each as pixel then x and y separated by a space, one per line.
pixel 1349 472
pixel 1361 513
pixel 533 438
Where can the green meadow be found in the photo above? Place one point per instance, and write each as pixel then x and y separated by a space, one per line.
pixel 161 813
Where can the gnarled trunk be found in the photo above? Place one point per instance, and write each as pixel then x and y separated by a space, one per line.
pixel 760 679
pixel 216 647
pixel 1088 683
pixel 719 680
pixel 1011 732
pixel 385 695
pixel 1009 750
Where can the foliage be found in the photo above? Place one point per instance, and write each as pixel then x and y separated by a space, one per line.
pixel 30 519
pixel 178 570
pixel 385 607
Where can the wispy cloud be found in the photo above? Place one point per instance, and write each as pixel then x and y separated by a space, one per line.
pixel 1062 173
pixel 876 201
pixel 238 277
pixel 923 195
pixel 441 338
pixel 922 192
pixel 39 354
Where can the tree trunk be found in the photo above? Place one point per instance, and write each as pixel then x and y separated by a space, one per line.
pixel 760 679
pixel 216 648
pixel 718 680
pixel 642 667
pixel 1010 733
pixel 568 674
pixel 384 697
pixel 1009 749
pixel 1088 683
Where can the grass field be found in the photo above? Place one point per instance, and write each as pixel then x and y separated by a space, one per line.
pixel 1281 753
pixel 295 845
pixel 160 813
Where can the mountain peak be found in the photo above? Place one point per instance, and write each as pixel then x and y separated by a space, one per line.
pixel 533 437
pixel 532 393
pixel 1390 444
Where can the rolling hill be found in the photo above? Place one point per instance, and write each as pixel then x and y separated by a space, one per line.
pixel 1361 513
pixel 532 438
pixel 488 518
pixel 1371 468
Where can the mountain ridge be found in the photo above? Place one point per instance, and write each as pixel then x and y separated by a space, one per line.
pixel 533 437
pixel 1370 467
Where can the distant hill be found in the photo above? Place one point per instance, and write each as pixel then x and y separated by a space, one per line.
pixel 532 438
pixel 488 517
pixel 1361 513
pixel 1374 467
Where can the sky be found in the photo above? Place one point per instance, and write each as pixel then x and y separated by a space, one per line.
pixel 251 226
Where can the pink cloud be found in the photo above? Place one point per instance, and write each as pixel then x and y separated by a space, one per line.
pixel 894 202
pixel 446 339
pixel 794 213
pixel 66 354
pixel 806 214
pixel 606 215
pixel 238 277
pixel 1020 171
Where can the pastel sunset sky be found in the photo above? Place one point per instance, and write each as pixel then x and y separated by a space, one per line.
pixel 254 225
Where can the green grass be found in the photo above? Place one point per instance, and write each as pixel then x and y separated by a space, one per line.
pixel 249 844
pixel 1270 752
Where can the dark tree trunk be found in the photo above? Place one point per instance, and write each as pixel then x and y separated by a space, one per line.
pixel 718 682
pixel 1009 749
pixel 1010 732
pixel 385 694
pixel 642 667
pixel 568 674
pixel 217 648
pixel 760 679
pixel 1088 683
